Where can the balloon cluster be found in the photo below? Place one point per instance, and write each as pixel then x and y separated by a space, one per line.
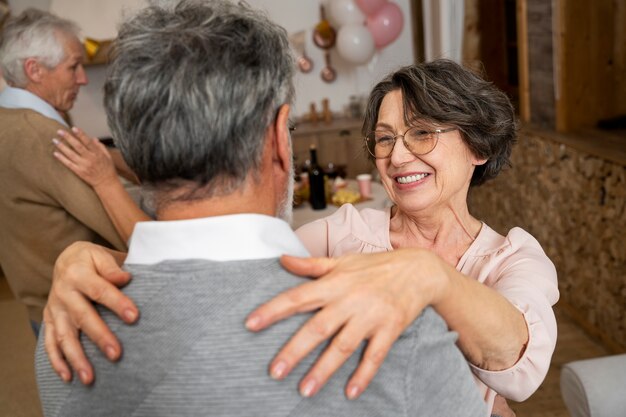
pixel 365 25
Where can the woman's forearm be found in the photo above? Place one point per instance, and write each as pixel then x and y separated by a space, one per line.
pixel 121 208
pixel 492 332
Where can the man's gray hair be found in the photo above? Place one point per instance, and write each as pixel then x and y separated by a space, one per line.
pixel 191 91
pixel 32 34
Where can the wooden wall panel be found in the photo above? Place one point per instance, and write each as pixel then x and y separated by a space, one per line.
pixel 540 63
pixel 590 58
pixel 522 58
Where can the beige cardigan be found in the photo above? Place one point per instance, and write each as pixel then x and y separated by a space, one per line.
pixel 44 207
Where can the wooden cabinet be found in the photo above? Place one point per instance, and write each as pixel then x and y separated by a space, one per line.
pixel 339 142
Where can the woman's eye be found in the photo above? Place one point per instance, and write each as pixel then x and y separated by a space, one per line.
pixel 417 134
pixel 384 139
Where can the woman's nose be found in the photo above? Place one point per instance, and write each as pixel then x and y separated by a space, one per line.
pixel 400 154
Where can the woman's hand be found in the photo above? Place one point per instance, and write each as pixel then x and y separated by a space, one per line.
pixel 358 299
pixel 501 408
pixel 84 272
pixel 92 162
pixel 86 157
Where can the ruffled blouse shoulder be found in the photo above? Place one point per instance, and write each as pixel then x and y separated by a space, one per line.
pixel 348 230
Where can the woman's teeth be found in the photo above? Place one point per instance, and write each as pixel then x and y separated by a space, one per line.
pixel 410 178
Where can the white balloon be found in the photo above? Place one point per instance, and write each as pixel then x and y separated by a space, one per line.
pixel 355 43
pixel 344 12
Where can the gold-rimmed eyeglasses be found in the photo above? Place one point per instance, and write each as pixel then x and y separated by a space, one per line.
pixel 380 143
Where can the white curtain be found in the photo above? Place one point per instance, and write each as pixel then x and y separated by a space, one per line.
pixel 443 29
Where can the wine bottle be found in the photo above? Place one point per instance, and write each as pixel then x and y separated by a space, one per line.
pixel 317 195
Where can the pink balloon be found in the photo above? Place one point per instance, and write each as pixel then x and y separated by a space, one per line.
pixel 370 7
pixel 386 25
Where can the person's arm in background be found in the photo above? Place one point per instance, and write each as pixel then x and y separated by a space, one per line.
pixel 91 161
pixel 121 166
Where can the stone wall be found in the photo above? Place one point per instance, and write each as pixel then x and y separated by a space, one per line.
pixel 574 204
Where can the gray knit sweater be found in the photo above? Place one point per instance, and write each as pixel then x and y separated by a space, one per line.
pixel 190 355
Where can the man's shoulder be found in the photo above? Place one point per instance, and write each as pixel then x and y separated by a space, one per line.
pixel 266 275
pixel 28 123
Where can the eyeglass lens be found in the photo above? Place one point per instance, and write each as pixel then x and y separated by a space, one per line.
pixel 381 143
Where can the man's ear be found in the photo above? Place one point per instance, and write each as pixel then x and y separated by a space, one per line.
pixel 282 150
pixel 33 70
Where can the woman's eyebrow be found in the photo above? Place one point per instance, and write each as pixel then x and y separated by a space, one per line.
pixel 382 125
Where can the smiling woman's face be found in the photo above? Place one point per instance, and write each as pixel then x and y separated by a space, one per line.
pixel 421 183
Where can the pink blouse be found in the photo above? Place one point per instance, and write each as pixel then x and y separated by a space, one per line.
pixel 514 265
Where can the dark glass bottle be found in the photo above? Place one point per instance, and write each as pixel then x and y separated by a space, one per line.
pixel 317 195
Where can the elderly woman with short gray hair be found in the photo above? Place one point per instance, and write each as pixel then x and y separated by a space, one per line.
pixel 433 130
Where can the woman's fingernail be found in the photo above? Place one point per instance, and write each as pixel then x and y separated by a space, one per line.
pixel 130 315
pixel 60 132
pixel 308 388
pixel 111 352
pixel 83 376
pixel 253 322
pixel 353 392
pixel 278 370
pixel 55 141
pixel 74 129
pixel 65 377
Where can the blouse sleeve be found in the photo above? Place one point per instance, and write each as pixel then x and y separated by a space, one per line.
pixel 314 236
pixel 527 278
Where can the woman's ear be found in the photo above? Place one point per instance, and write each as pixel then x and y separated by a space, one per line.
pixel 477 161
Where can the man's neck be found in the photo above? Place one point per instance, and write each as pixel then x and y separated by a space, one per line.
pixel 245 200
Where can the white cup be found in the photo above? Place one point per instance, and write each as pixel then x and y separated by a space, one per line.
pixel 365 185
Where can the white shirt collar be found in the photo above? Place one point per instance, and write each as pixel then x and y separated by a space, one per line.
pixel 18 98
pixel 221 238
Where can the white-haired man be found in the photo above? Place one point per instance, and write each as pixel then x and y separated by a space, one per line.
pixel 44 207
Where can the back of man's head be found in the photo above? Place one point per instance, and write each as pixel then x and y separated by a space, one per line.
pixel 191 91
pixel 33 33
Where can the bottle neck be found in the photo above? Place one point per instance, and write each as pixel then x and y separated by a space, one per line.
pixel 314 157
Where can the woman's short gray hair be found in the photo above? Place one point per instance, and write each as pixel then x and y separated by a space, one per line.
pixel 444 92
pixel 32 34
pixel 191 91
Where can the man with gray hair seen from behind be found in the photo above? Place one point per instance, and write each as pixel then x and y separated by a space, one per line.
pixel 44 207
pixel 198 98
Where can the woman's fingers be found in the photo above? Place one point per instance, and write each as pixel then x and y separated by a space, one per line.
pixel 55 356
pixel 87 270
pixel 82 136
pixel 66 337
pixel 315 331
pixel 81 275
pixel 375 353
pixel 79 146
pixel 85 156
pixel 307 267
pixel 303 298
pixel 340 348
